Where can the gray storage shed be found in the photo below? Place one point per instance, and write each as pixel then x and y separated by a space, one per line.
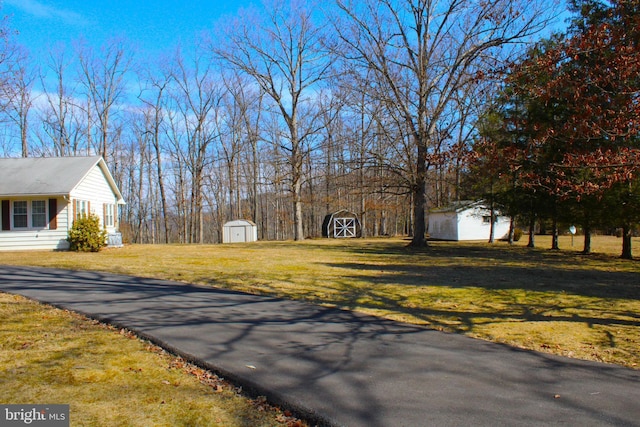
pixel 239 231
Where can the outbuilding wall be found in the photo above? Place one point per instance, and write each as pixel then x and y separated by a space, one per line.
pixel 471 223
pixel 239 231
pixel 341 224
pixel 443 225
pixel 475 224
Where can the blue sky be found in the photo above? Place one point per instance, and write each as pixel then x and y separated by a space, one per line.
pixel 152 26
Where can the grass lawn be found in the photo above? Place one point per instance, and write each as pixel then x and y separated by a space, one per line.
pixel 110 377
pixel 552 301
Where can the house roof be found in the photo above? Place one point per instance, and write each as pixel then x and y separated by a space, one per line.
pixel 458 206
pixel 49 176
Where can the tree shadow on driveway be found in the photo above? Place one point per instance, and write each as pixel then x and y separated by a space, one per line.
pixel 337 367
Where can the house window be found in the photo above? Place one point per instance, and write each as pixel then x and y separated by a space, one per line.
pixel 486 219
pixel 38 214
pixel 109 215
pixel 80 209
pixel 20 214
pixel 31 214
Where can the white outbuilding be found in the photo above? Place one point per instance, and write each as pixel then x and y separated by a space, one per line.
pixel 466 220
pixel 239 231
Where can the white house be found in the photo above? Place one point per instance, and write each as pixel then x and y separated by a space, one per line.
pixel 41 197
pixel 466 220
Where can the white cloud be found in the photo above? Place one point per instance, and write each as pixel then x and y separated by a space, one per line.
pixel 41 10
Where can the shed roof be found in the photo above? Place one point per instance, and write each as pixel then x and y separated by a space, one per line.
pixel 343 212
pixel 239 222
pixel 49 176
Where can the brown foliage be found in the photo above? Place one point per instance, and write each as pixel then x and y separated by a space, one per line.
pixel 591 78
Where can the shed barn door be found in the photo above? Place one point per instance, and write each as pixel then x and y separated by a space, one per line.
pixel 344 227
pixel 238 234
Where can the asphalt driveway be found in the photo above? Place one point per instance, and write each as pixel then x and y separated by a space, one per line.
pixel 341 368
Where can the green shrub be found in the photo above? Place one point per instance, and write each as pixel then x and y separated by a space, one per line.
pixel 86 235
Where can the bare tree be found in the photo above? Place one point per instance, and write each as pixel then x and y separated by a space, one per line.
pixel 15 85
pixel 59 115
pixel 8 50
pixel 103 76
pixel 282 51
pixel 232 140
pixel 248 102
pixel 421 52
pixel 197 98
pixel 16 94
pixel 153 97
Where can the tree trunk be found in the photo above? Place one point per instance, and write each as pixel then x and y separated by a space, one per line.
pixel 254 179
pixel 587 240
pixel 532 232
pixel 163 197
pixel 296 187
pixel 554 231
pixel 512 230
pixel 23 137
pixel 363 201
pixel 626 242
pixel 493 221
pixel 419 239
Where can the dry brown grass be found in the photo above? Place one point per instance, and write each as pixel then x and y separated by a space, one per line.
pixel 109 377
pixel 553 301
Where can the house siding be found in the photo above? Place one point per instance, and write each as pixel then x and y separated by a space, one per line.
pixel 443 226
pixel 95 189
pixel 471 225
pixel 59 182
pixel 11 240
pixel 466 224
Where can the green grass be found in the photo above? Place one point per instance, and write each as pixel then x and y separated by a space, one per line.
pixel 109 377
pixel 553 301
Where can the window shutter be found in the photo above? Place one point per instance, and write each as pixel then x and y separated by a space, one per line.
pixel 6 215
pixel 73 206
pixel 53 214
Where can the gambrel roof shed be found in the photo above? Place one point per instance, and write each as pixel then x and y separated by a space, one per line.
pixel 41 197
pixel 341 224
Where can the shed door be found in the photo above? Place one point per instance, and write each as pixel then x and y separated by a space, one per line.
pixel 344 227
pixel 238 234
